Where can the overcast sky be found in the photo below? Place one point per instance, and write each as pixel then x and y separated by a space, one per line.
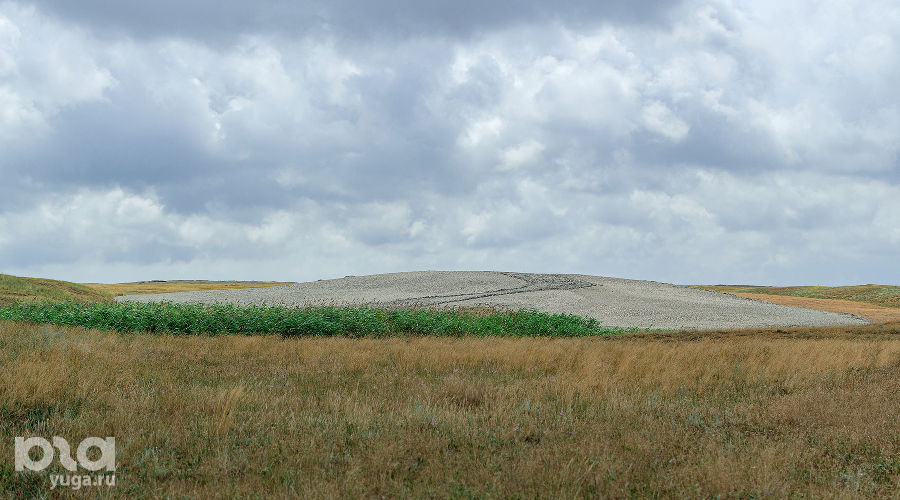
pixel 689 142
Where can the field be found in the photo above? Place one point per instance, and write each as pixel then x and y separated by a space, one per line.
pixel 175 286
pixel 756 415
pixel 880 303
pixel 15 289
pixel 879 295
pixel 790 412
pixel 878 314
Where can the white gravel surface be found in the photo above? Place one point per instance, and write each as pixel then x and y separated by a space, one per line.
pixel 612 301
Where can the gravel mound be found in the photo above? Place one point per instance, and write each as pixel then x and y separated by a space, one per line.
pixel 612 301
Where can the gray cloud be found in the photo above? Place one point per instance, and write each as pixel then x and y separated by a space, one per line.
pixel 694 142
pixel 395 19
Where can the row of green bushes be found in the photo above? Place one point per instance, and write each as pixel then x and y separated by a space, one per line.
pixel 313 321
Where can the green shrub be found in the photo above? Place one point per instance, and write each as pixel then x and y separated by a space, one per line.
pixel 166 317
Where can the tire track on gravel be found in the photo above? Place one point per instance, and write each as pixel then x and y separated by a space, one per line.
pixel 532 283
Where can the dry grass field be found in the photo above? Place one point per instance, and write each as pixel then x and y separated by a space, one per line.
pixel 879 295
pixel 878 314
pixel 788 413
pixel 14 288
pixel 879 303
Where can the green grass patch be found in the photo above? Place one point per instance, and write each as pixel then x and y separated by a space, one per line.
pixel 165 317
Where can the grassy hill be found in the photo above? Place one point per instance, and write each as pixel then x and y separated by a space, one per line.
pixel 176 286
pixel 15 289
pixel 880 295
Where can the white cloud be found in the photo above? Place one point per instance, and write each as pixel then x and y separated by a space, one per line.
pixel 44 66
pixel 482 130
pixel 658 118
pixel 523 154
pixel 18 117
pixel 9 41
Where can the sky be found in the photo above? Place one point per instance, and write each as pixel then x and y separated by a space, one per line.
pixel 734 142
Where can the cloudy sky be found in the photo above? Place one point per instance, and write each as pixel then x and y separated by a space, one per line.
pixel 690 142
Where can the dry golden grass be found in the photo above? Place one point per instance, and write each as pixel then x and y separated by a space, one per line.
pixel 878 314
pixel 175 286
pixel 742 414
pixel 14 289
pixel 879 295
